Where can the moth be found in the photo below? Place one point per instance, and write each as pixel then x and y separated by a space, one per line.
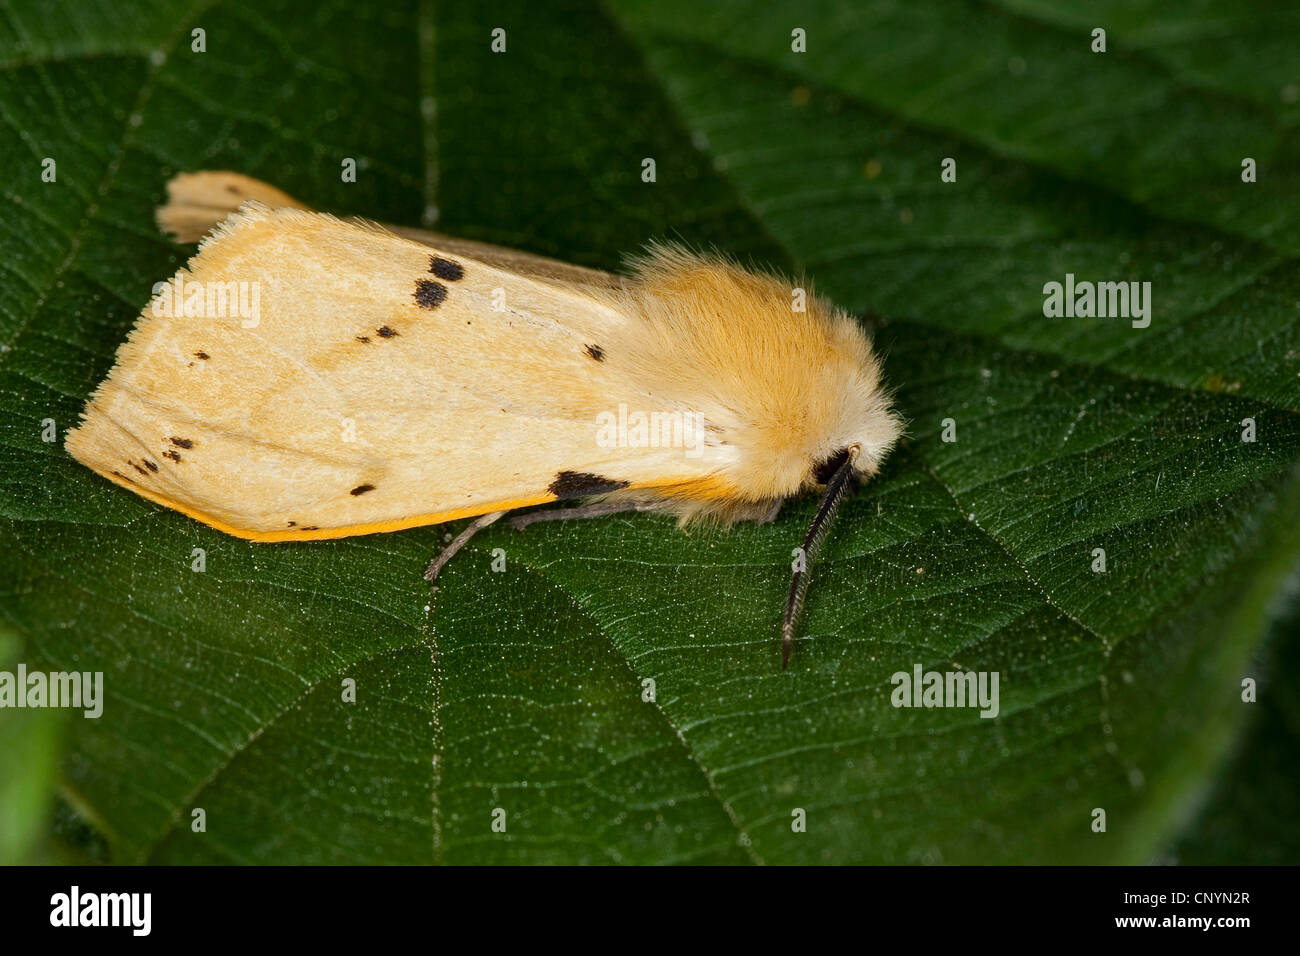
pixel 308 377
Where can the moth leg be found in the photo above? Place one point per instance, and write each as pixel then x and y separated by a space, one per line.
pixel 520 522
pixel 449 552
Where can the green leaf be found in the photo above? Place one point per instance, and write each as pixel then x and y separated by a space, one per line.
pixel 1255 796
pixel 528 691
pixel 28 756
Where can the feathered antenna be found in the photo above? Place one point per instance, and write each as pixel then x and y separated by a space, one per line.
pixel 840 466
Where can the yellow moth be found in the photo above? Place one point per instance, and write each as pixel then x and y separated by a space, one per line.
pixel 308 377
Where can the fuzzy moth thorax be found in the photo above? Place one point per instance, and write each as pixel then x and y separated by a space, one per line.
pixel 785 380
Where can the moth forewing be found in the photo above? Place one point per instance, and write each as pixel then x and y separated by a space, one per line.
pixel 380 385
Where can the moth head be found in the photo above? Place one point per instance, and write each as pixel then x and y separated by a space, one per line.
pixel 823 404
pixel 863 458
pixel 859 425
pixel 825 470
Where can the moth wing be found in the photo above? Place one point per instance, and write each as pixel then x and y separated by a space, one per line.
pixel 512 261
pixel 198 202
pixel 364 382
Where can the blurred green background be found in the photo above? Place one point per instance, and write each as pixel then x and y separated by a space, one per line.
pixel 526 691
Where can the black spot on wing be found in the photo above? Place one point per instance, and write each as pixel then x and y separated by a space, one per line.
pixel 596 352
pixel 385 332
pixel 575 484
pixel 151 465
pixel 429 294
pixel 182 442
pixel 363 338
pixel 446 269
pixel 172 454
pixel 200 354
pixel 361 489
